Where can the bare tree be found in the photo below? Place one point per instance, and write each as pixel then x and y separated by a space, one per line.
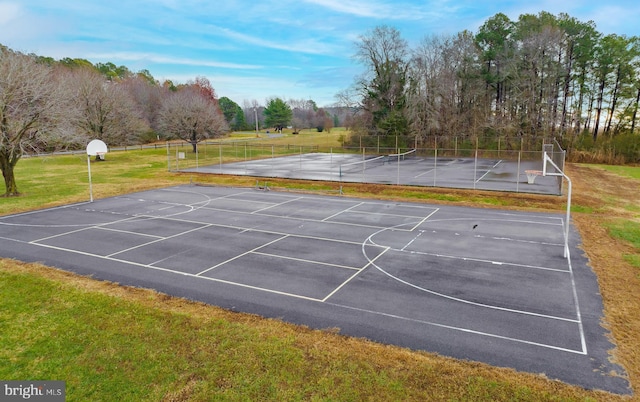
pixel 188 115
pixel 253 113
pixel 147 96
pixel 303 113
pixel 105 111
pixel 31 112
pixel 383 88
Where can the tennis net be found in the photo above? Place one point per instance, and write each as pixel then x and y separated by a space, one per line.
pixel 402 156
pixel 361 166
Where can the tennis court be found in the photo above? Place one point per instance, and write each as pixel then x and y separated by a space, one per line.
pixel 405 168
pixel 478 284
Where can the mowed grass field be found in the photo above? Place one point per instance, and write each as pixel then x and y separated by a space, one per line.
pixel 115 343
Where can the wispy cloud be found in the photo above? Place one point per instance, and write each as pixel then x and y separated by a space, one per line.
pixel 9 12
pixel 381 10
pixel 155 58
pixel 307 45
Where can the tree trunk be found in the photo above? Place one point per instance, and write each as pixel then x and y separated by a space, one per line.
pixel 565 89
pixel 614 101
pixel 598 110
pixel 6 165
pixel 635 112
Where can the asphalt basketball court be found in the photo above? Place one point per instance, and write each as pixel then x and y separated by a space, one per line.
pixel 477 284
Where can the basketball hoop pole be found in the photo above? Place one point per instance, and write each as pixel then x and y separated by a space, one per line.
pixel 545 173
pixel 89 170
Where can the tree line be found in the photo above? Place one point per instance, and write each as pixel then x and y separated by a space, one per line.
pixel 542 75
pixel 48 105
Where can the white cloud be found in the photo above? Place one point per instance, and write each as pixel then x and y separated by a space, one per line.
pixel 154 58
pixel 261 87
pixel 387 10
pixel 9 12
pixel 289 44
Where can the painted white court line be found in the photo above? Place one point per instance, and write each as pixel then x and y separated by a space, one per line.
pixel 459 329
pixel 424 220
pixel 341 212
pixel 159 240
pixel 173 271
pixel 501 219
pixel 489 171
pixel 351 277
pixel 577 303
pixel 423 173
pixel 276 205
pixel 455 257
pixel 368 241
pixel 412 240
pixel 240 255
pixel 38 211
pixel 520 240
pixel 36 241
pixel 306 261
pixel 129 232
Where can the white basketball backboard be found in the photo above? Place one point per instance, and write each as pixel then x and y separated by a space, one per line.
pixel 96 147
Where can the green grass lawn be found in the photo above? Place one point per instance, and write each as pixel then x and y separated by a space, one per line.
pixel 628 171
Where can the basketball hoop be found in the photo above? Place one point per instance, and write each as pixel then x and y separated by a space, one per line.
pixel 532 174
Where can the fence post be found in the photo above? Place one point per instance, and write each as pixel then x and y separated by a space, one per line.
pixel 435 166
pixel 518 173
pixel 475 168
pixel 168 158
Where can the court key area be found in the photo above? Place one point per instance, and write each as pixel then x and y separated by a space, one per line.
pixel 477 284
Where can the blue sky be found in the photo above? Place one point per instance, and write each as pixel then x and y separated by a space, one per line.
pixel 254 50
